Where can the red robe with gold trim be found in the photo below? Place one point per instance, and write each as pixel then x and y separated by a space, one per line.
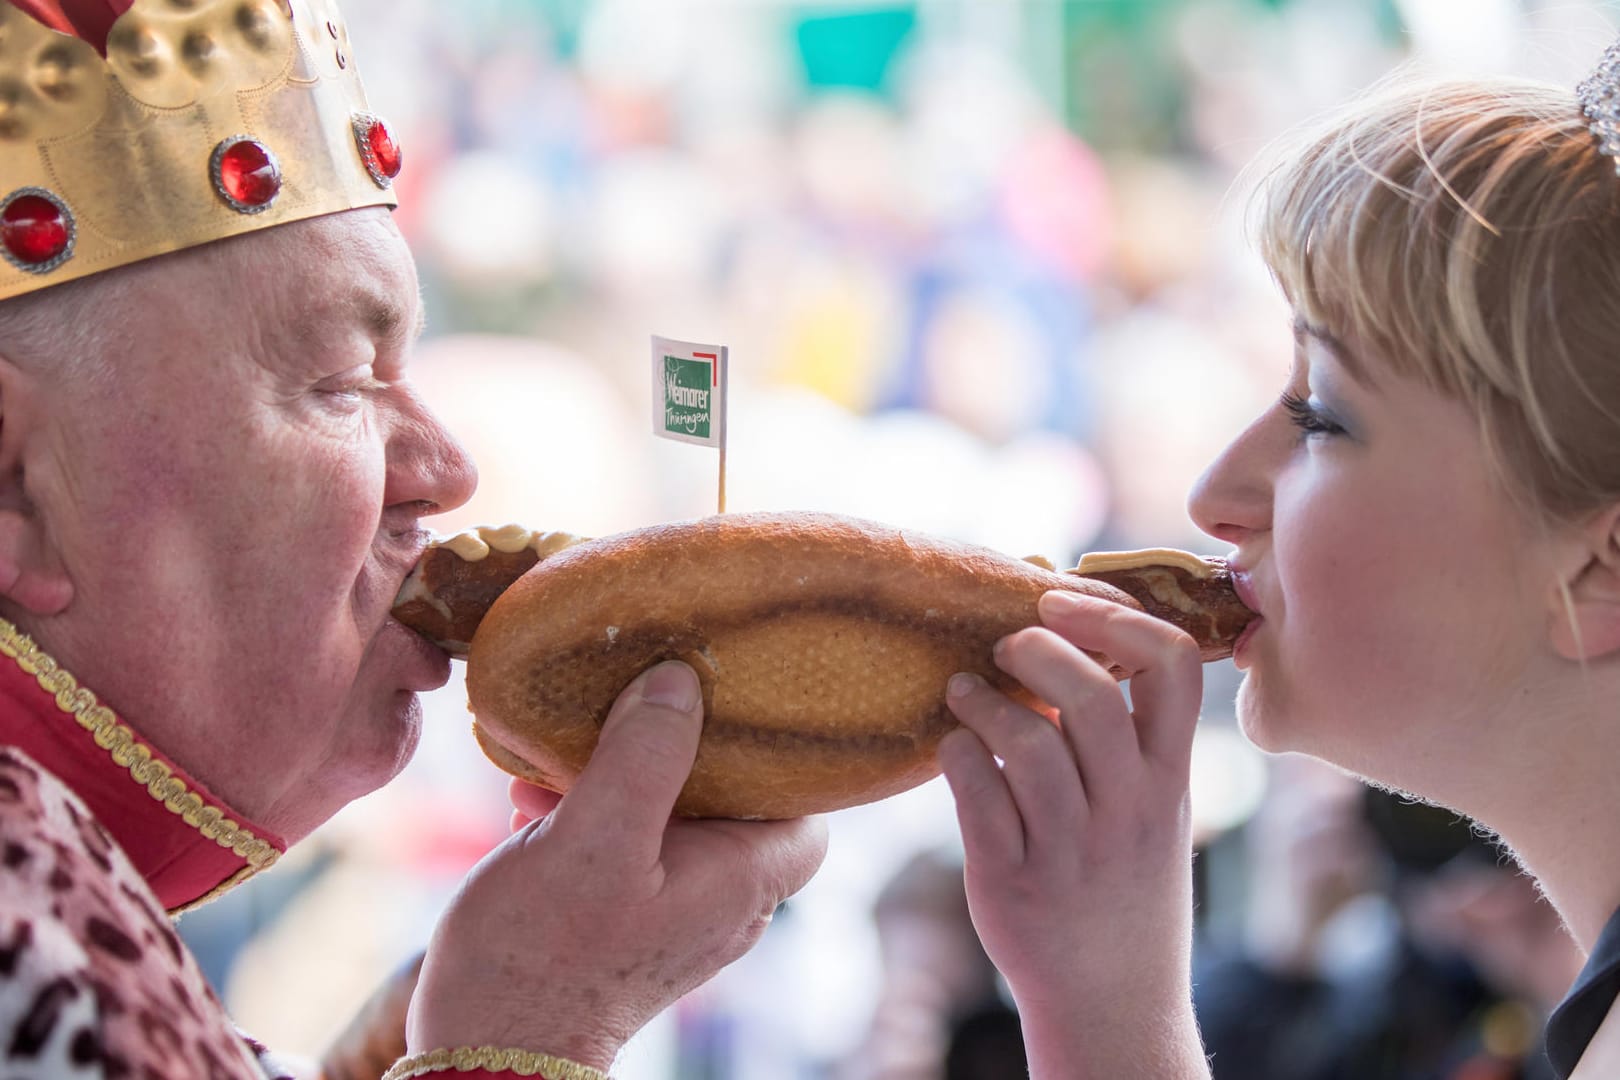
pixel 102 839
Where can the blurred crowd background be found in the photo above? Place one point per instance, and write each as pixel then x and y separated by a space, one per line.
pixel 982 268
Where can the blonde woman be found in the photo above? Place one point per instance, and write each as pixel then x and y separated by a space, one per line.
pixel 1427 521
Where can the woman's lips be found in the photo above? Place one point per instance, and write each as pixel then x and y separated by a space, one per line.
pixel 1242 642
pixel 1244 587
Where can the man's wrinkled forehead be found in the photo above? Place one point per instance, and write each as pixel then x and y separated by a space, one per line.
pixel 326 279
pixel 392 316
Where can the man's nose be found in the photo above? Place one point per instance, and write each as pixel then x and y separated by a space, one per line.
pixel 428 464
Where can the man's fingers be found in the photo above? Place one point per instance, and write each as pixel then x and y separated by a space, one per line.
pixel 530 802
pixel 623 799
pixel 1167 680
pixel 801 845
pixel 787 852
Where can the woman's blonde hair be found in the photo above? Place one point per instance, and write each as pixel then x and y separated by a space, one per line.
pixel 1468 235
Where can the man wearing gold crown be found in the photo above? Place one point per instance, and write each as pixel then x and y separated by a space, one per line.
pixel 213 473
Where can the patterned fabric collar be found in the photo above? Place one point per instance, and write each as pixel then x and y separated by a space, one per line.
pixel 186 843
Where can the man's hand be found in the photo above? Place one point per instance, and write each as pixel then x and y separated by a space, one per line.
pixel 589 921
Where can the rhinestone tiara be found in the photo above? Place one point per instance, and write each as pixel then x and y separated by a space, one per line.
pixel 1599 95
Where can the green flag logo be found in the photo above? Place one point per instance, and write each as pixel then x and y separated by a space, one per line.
pixel 688 391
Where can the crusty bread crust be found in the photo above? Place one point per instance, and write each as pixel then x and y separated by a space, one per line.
pixel 822 643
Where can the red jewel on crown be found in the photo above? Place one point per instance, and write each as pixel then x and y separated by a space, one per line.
pixel 377 148
pixel 246 174
pixel 36 230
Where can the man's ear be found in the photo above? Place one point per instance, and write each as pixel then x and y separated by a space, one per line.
pixel 32 576
pixel 1584 616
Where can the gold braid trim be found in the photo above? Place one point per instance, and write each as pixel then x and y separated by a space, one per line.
pixel 217 891
pixel 467 1058
pixel 120 742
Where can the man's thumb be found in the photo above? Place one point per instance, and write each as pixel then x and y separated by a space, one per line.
pixel 643 756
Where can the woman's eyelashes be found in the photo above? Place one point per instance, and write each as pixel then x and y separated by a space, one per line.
pixel 1308 415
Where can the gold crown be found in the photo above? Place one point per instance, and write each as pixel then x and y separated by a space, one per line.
pixel 206 119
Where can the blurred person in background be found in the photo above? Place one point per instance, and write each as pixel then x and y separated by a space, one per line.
pixel 215 472
pixel 939 1013
pixel 1384 938
pixel 1428 524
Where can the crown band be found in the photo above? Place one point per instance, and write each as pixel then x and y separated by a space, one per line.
pixel 109 160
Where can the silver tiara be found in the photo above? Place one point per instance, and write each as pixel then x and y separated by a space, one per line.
pixel 1599 95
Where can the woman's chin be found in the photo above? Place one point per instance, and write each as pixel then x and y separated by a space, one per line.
pixel 1259 720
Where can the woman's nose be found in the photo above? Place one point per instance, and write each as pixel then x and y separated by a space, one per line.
pixel 1232 499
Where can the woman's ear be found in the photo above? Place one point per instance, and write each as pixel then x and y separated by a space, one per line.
pixel 1584 616
pixel 32 576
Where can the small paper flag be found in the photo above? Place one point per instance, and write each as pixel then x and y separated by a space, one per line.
pixel 689 391
pixel 689 396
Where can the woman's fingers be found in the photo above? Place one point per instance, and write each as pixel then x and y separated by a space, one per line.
pixel 992 831
pixel 1167 674
pixel 1094 756
pixel 1037 767
pixel 1091 710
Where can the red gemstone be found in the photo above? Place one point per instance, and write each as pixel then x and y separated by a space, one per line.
pixel 34 229
pixel 384 150
pixel 248 174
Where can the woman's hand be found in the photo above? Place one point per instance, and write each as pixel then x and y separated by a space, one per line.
pixel 1078 844
pixel 597 914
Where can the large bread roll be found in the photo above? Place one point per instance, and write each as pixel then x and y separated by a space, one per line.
pixel 823 645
